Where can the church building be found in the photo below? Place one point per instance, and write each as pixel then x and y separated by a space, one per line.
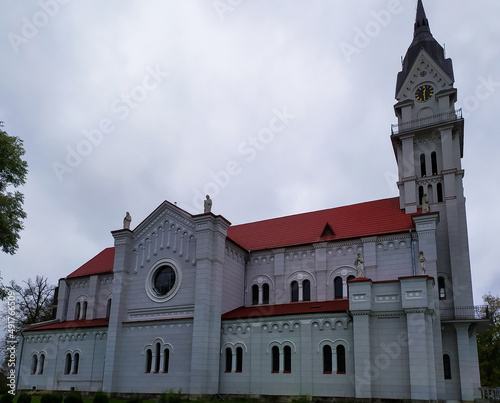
pixel 365 301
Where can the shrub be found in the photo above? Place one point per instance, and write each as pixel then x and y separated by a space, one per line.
pixel 134 399
pixel 51 398
pixel 301 399
pixel 6 398
pixel 73 397
pixel 24 398
pixel 101 397
pixel 170 396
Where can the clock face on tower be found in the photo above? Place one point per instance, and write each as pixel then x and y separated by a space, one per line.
pixel 424 93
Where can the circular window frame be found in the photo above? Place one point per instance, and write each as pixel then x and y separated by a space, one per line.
pixel 150 287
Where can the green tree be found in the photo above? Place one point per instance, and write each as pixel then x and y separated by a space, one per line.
pixel 13 170
pixel 488 345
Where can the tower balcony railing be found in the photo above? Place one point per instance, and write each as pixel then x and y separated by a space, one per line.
pixel 477 312
pixel 425 122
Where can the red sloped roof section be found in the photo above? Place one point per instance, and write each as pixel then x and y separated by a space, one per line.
pixel 293 308
pixel 71 324
pixel 101 263
pixel 357 220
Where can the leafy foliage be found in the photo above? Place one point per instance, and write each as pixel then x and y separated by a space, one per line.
pixel 51 398
pixel 74 397
pixel 101 397
pixel 13 171
pixel 134 399
pixel 170 396
pixel 6 398
pixel 24 398
pixel 488 345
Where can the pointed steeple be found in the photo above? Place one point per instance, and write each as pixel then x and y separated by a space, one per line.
pixel 423 39
pixel 421 22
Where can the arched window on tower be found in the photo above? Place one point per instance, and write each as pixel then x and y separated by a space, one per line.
pixel 337 285
pixel 340 359
pixel 306 290
pixel 76 363
pixel 287 359
pixel 149 360
pixel 327 359
pixel 108 308
pixel 255 294
pixel 420 194
pixel 67 364
pixel 77 311
pixel 447 366
pixel 440 192
pixel 265 293
pixel 423 170
pixel 442 287
pixel 34 364
pixel 229 359
pixel 275 363
pixel 84 310
pixel 434 163
pixel 295 291
pixel 166 359
pixel 41 364
pixel 239 359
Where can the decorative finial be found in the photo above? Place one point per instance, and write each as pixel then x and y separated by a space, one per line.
pixel 126 221
pixel 208 204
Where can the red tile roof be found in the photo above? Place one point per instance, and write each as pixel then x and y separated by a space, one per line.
pixel 354 221
pixel 293 308
pixel 71 324
pixel 101 263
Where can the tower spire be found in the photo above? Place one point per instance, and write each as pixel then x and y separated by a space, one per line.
pixel 421 21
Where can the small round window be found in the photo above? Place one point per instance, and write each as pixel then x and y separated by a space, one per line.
pixel 163 280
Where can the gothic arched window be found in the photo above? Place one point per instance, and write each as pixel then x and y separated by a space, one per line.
pixel 265 293
pixel 327 359
pixel 295 291
pixel 306 290
pixel 337 285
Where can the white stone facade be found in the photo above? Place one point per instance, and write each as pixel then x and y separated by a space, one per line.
pixel 182 302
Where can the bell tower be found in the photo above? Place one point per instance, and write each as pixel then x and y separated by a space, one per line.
pixel 428 145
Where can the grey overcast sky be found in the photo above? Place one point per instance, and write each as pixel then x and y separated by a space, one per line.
pixel 273 107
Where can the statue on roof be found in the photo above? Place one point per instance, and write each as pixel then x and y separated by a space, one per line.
pixel 127 220
pixel 421 261
pixel 208 205
pixel 425 203
pixel 360 266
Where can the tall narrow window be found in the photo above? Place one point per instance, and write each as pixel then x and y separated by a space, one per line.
pixel 275 359
pixel 229 359
pixel 157 358
pixel 327 359
pixel 166 359
pixel 442 287
pixel 149 360
pixel 340 359
pixel 423 171
pixel 265 293
pixel 67 364
pixel 295 291
pixel 337 283
pixel 306 290
pixel 447 366
pixel 76 363
pixel 34 364
pixel 41 363
pixel 440 192
pixel 420 194
pixel 108 308
pixel 77 311
pixel 239 359
pixel 434 163
pixel 348 279
pixel 287 359
pixel 84 310
pixel 255 294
